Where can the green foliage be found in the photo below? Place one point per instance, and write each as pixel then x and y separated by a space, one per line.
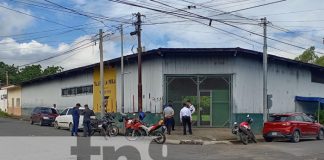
pixel 3 114
pixel 309 56
pixel 27 73
pixel 320 61
pixel 321 116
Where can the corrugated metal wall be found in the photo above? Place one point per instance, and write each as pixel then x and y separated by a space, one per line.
pixel 152 86
pixel 48 93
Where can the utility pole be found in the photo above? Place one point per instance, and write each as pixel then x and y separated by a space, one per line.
pixel 7 78
pixel 139 58
pixel 264 23
pixel 122 67
pixel 102 81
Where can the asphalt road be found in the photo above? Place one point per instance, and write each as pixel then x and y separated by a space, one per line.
pixel 305 150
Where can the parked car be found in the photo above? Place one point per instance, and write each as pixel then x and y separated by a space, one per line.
pixel 294 126
pixel 65 119
pixel 43 116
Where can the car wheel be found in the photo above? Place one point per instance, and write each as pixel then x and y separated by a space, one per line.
pixel 295 137
pixel 70 127
pixel 56 126
pixel 320 135
pixel 267 139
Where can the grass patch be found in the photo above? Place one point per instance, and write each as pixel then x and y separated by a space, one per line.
pixel 3 114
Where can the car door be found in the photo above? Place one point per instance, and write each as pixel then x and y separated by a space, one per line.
pixel 301 125
pixel 311 126
pixel 61 119
pixel 33 114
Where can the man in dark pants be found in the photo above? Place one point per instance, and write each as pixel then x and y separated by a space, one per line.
pixel 87 113
pixel 185 119
pixel 76 117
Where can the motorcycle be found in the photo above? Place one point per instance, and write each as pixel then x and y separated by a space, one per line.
pixel 244 132
pixel 105 126
pixel 136 128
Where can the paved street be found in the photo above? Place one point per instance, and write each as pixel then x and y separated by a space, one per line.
pixel 307 149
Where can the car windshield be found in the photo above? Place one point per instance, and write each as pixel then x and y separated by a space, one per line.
pixel 278 118
pixel 48 110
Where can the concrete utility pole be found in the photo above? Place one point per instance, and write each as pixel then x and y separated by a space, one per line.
pixel 122 67
pixel 102 81
pixel 139 58
pixel 264 22
pixel 7 78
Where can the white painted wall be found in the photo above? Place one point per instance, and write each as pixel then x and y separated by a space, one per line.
pixel 284 82
pixel 152 79
pixel 48 93
pixel 3 102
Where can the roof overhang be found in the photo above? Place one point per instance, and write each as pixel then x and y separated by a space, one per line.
pixel 309 99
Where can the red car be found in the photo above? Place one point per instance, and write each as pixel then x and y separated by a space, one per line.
pixel 43 115
pixel 293 126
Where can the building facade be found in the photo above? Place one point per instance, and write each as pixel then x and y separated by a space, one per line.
pixel 225 84
pixel 3 100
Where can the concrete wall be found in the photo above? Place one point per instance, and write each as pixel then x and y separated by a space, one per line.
pixel 14 100
pixel 152 80
pixel 3 102
pixel 48 93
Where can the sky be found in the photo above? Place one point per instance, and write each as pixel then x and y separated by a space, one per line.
pixel 65 32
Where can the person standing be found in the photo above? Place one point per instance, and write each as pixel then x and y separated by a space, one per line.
pixel 168 113
pixel 185 118
pixel 191 107
pixel 87 114
pixel 76 117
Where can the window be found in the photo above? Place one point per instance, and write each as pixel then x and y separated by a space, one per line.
pixel 77 90
pixel 307 119
pixel 12 102
pixel 18 102
pixel 278 118
pixel 299 118
pixel 70 111
pixel 317 77
pixel 64 112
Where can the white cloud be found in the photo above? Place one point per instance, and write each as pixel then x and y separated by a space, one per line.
pixel 12 22
pixel 188 34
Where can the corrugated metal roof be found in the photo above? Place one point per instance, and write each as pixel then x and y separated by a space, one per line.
pixel 160 52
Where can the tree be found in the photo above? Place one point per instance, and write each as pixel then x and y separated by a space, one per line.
pixel 27 73
pixel 52 70
pixel 308 56
pixel 320 61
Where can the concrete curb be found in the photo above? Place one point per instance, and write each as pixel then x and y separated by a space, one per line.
pixel 195 142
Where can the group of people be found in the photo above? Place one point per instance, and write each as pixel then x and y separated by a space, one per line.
pixel 87 113
pixel 185 116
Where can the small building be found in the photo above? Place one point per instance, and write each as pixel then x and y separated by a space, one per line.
pixel 3 100
pixel 13 100
pixel 225 84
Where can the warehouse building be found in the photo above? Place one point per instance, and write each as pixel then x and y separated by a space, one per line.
pixel 225 84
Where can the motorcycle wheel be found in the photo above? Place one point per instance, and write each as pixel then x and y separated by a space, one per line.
pixel 113 130
pixel 244 138
pixel 132 135
pixel 160 137
pixel 253 138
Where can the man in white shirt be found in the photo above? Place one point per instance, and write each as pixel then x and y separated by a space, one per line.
pixel 185 118
pixel 191 107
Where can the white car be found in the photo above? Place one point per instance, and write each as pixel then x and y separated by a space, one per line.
pixel 65 119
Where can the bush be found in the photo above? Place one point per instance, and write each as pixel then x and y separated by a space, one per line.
pixel 3 114
pixel 321 116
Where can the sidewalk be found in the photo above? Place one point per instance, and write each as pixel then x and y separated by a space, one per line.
pixel 202 136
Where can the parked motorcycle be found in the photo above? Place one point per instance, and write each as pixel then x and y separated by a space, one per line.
pixel 244 132
pixel 136 128
pixel 105 126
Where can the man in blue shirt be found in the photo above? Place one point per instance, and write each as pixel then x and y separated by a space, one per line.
pixel 76 117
